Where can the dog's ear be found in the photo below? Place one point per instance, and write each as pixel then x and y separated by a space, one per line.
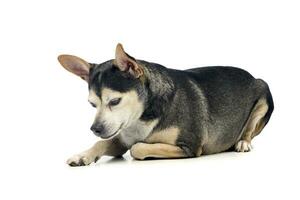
pixel 75 65
pixel 127 63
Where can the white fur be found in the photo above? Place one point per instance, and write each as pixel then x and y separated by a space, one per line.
pixel 137 132
pixel 243 146
pixel 86 157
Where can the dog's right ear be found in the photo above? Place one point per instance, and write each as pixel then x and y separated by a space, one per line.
pixel 75 65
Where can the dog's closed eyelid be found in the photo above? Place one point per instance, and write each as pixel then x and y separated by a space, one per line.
pixel 94 105
pixel 114 101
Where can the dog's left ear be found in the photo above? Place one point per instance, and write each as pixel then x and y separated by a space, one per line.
pixel 127 63
pixel 76 65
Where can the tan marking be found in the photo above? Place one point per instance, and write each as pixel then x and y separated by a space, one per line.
pixel 141 151
pixel 253 127
pixel 138 131
pixel 90 155
pixel 199 152
pixel 257 114
pixel 166 136
pixel 108 94
pixel 103 147
pixel 93 98
pixel 260 125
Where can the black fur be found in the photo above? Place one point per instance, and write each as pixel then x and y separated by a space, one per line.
pixel 209 105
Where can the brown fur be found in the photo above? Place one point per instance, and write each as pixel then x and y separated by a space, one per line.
pixel 141 151
pixel 166 136
pixel 255 122
pixel 253 127
pixel 111 147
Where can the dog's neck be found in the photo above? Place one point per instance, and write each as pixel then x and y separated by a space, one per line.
pixel 160 90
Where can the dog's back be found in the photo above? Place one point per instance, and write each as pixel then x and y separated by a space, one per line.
pixel 219 101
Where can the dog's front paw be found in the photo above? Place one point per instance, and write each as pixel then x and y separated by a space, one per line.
pixel 82 159
pixel 137 151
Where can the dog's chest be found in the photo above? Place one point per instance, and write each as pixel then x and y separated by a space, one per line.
pixel 137 132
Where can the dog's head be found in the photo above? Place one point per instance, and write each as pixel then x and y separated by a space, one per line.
pixel 116 90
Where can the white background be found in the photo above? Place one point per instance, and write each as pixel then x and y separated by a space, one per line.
pixel 45 117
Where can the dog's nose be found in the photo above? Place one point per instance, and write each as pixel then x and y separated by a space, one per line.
pixel 97 129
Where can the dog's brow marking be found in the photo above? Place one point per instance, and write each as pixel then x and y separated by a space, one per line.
pixel 109 94
pixel 93 98
pixel 167 136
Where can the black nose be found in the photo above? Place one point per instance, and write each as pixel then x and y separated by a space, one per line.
pixel 97 129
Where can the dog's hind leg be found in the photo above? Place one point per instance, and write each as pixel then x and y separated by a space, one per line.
pixel 141 151
pixel 253 127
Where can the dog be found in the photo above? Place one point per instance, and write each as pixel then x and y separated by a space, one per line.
pixel 158 112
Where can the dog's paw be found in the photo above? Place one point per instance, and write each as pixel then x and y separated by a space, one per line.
pixel 82 159
pixel 137 151
pixel 243 146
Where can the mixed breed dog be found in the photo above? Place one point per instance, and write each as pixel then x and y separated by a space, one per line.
pixel 158 112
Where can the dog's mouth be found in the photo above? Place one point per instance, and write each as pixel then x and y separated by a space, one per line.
pixel 114 134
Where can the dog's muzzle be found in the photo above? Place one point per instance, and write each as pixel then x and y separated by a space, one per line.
pixel 98 129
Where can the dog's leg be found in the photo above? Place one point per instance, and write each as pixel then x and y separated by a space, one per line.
pixel 141 151
pixel 105 147
pixel 253 126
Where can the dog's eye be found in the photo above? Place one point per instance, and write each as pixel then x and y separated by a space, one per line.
pixel 114 102
pixel 94 105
